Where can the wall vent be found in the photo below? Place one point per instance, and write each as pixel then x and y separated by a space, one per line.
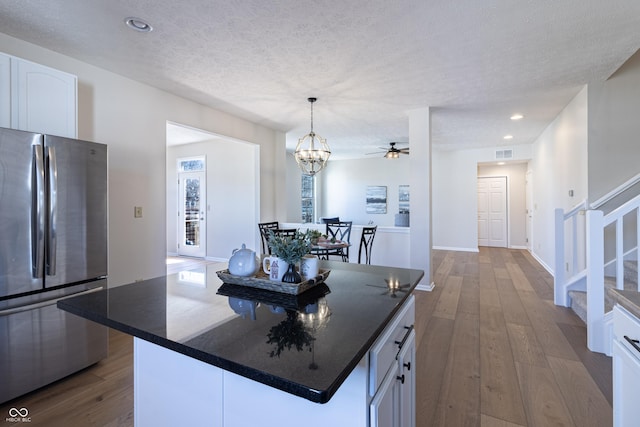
pixel 504 154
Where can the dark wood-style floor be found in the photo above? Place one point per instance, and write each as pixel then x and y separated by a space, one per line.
pixel 492 350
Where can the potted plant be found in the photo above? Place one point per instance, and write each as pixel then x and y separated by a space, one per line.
pixel 314 235
pixel 290 249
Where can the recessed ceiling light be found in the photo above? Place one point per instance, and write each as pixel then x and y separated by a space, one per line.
pixel 138 24
pixel 517 116
pixel 508 137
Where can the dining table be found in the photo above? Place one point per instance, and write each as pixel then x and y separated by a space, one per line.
pixel 322 248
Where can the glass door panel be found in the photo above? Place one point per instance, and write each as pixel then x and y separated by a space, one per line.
pixel 192 222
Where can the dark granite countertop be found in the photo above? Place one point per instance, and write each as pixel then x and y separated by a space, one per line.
pixel 305 345
pixel 630 300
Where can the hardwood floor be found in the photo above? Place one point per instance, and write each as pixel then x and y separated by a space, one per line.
pixel 492 350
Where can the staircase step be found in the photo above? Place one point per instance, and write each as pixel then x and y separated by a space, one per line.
pixel 579 298
pixel 579 304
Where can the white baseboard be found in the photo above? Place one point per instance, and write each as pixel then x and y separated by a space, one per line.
pixel 426 288
pixel 518 247
pixel 542 263
pixel 216 259
pixel 447 248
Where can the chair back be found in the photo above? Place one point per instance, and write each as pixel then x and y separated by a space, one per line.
pixel 340 230
pixel 285 232
pixel 329 220
pixel 366 243
pixel 264 228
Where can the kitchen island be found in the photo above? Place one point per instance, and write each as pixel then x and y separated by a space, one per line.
pixel 208 353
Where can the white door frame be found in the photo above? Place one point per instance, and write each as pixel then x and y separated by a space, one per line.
pixel 529 207
pixel 199 249
pixel 497 212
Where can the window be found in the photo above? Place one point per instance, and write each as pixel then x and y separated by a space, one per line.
pixel 308 200
pixel 191 165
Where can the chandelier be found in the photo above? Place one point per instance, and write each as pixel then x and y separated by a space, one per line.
pixel 312 151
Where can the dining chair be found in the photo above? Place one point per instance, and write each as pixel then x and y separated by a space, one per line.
pixel 285 232
pixel 264 228
pixel 366 243
pixel 328 220
pixel 340 230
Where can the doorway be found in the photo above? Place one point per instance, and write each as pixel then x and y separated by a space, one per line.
pixel 192 218
pixel 492 211
pixel 213 210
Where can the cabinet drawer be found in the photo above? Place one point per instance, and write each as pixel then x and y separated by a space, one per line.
pixel 625 324
pixel 384 351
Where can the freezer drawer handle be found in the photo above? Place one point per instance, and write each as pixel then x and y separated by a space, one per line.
pixel 53 201
pixel 633 342
pixel 20 309
pixel 37 212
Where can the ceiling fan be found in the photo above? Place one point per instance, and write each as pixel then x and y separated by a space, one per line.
pixel 392 152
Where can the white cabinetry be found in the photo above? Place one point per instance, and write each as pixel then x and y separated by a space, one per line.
pixel 37 98
pixel 626 367
pixel 173 389
pixel 392 378
pixel 5 90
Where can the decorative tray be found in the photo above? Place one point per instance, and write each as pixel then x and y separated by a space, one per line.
pixel 261 281
pixel 286 301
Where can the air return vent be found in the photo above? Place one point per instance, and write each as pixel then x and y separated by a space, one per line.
pixel 504 154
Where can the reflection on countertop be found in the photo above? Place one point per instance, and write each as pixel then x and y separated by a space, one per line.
pixel 305 344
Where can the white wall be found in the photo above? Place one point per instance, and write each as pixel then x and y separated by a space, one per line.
pixel 345 187
pixel 231 195
pixel 342 188
pixel 516 199
pixel 559 164
pixel 455 195
pixel 614 129
pixel 130 118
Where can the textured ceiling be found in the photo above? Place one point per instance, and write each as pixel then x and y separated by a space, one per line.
pixel 367 61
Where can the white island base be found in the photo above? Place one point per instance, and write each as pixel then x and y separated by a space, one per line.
pixel 171 389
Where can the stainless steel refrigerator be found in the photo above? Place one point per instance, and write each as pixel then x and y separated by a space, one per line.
pixel 53 244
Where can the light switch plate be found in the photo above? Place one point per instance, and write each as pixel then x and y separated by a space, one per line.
pixel 137 211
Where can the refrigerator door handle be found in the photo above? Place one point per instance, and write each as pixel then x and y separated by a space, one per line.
pixel 37 212
pixel 53 199
pixel 20 309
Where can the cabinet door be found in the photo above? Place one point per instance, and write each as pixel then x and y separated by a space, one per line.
pixel 5 91
pixel 407 373
pixel 43 99
pixel 626 385
pixel 384 406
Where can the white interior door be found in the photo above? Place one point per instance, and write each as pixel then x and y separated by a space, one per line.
pixel 529 202
pixel 492 212
pixel 192 224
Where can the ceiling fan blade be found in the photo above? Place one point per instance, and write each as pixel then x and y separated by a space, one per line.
pixel 377 152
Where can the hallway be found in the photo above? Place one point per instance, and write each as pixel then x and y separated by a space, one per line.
pixel 493 349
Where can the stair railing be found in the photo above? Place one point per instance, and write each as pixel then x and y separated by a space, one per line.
pixel 570 237
pixel 588 273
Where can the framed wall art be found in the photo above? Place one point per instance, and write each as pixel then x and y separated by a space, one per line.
pixel 376 199
pixel 403 199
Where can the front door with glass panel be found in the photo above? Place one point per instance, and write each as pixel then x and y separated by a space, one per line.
pixel 192 213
